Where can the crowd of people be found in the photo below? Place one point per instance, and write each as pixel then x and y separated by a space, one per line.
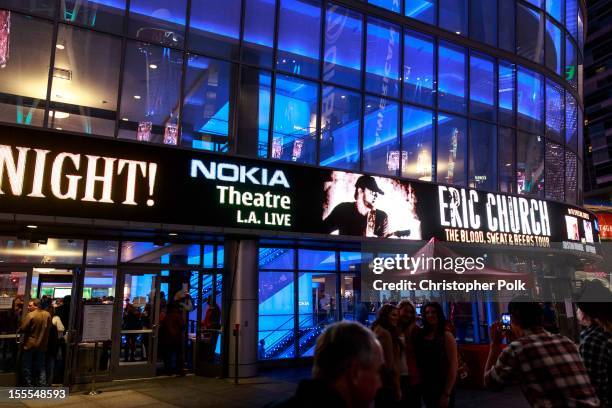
pixel 399 363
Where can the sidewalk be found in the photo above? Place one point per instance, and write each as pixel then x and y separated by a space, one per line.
pixel 194 391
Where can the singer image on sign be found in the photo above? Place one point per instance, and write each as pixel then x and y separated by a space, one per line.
pixel 361 216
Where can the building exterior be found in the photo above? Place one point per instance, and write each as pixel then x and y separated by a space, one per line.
pixel 157 148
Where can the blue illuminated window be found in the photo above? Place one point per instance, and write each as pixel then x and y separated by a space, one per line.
pixel 452 78
pixel 276 258
pixel 555 8
pixel 295 118
pixel 382 58
pixel 392 5
pixel 419 68
pixel 483 155
pixel 571 121
pixel 537 3
pixel 350 261
pixel 554 53
pixel 506 15
pixel 451 150
pixel 343 38
pixel 253 119
pixel 215 27
pixel 276 315
pixel 206 108
pixel 258 40
pixel 571 17
pixel 571 68
pixel 530 100
pixel 417 142
pixel 482 87
pixel 555 166
pixel 507 76
pixel 298 37
pixel 316 308
pixel 380 136
pixel 506 163
pixel 158 21
pixel 530 164
pixel 101 15
pixel 483 19
pixel 529 38
pixel 422 10
pixel 340 120
pixel 453 15
pixel 571 173
pixel 555 112
pixel 316 260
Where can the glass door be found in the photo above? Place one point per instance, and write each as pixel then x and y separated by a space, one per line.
pixel 14 290
pixel 135 349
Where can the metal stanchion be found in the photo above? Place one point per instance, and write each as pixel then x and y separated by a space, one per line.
pixel 93 390
pixel 237 336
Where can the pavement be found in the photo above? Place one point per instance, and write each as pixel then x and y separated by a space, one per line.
pixel 195 391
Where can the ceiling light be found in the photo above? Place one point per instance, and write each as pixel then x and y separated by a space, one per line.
pixel 124 119
pixel 457 32
pixel 59 128
pixel 136 96
pixel 59 115
pixel 59 46
pixel 32 226
pixel 152 66
pixel 172 234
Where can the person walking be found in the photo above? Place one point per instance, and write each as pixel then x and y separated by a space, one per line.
pixel 35 328
pixel 436 351
pixel 385 327
pixel 409 379
pixel 56 333
pixel 546 365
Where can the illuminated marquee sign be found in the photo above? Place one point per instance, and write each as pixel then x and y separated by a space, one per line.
pixel 57 174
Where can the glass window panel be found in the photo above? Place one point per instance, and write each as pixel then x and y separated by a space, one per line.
pixel 158 21
pixel 152 253
pixel 419 68
pixel 554 111
pixel 554 53
pixel 422 10
pixel 506 16
pixel 530 100
pixel 530 164
pixel 392 5
pixel 529 38
pixel 537 3
pixel 102 252
pixel 380 136
pixel 276 315
pixel 507 77
pixel 295 120
pixel 452 78
pixel 483 18
pixel 482 87
pixel 506 170
pixel 451 148
pixel 12 294
pixel 299 34
pixel 580 29
pixel 554 8
pixel 317 307
pixel 350 261
pixel 85 82
pixel 571 69
pixel 66 251
pixel 150 95
pixel 215 27
pixel 276 258
pixel 253 120
pixel 206 108
pixel 417 142
pixel 571 121
pixel 571 184
pixel 571 17
pixel 39 7
pixel 343 38
pixel 209 256
pixel 555 164
pixel 340 122
pixel 382 58
pixel 101 15
pixel 316 260
pixel 258 39
pixel 24 62
pixel 483 155
pixel 453 15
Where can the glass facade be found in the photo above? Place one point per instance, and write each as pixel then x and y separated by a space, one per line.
pixel 313 82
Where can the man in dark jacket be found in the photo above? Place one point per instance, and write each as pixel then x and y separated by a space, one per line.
pixel 346 370
pixel 35 328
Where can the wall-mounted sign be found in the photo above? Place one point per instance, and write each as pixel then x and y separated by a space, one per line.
pixel 66 175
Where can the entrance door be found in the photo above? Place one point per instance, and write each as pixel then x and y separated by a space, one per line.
pixel 14 297
pixel 135 349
